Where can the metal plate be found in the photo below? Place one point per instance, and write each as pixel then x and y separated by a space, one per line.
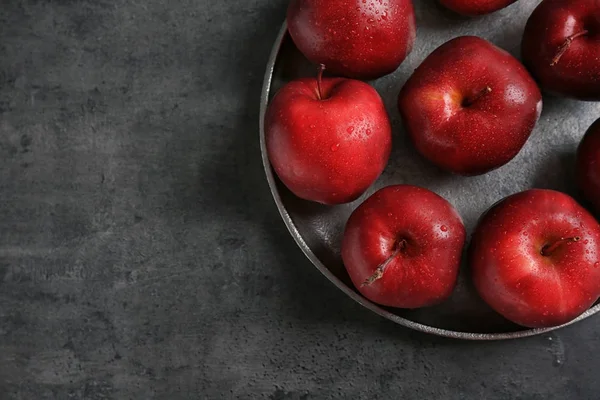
pixel 546 161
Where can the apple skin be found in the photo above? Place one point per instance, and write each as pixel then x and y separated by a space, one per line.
pixel 432 234
pixel 474 8
pixel 576 73
pixel 513 276
pixel 588 165
pixel 353 38
pixel 470 106
pixel 331 150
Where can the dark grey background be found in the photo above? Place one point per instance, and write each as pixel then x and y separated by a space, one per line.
pixel 141 255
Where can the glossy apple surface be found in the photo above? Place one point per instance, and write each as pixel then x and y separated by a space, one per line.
pixel 588 165
pixel 535 258
pixel 561 47
pixel 353 38
pixel 328 146
pixel 470 106
pixel 402 247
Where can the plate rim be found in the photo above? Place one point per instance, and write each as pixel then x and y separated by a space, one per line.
pixel 293 230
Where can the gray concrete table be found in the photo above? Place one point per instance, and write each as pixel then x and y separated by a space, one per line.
pixel 141 256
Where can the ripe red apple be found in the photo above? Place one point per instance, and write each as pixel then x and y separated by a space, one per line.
pixel 328 139
pixel 561 47
pixel 470 106
pixel 354 38
pixel 588 165
pixel 402 247
pixel 476 7
pixel 535 258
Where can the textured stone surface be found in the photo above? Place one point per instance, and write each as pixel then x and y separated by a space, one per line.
pixel 141 255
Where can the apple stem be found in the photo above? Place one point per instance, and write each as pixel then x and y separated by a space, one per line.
pixel 319 79
pixel 548 249
pixel 381 268
pixel 565 46
pixel 472 100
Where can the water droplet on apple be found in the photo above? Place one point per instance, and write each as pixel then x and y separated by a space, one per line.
pixel 368 132
pixel 444 228
pixel 312 126
pixel 350 129
pixel 370 20
pixel 334 147
pixel 586 241
pixel 596 264
pixel 390 214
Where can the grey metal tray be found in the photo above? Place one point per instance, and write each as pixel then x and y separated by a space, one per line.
pixel 546 161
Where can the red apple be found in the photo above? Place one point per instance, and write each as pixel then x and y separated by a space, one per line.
pixel 588 165
pixel 535 258
pixel 561 47
pixel 402 247
pixel 353 38
pixel 470 106
pixel 328 141
pixel 476 7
